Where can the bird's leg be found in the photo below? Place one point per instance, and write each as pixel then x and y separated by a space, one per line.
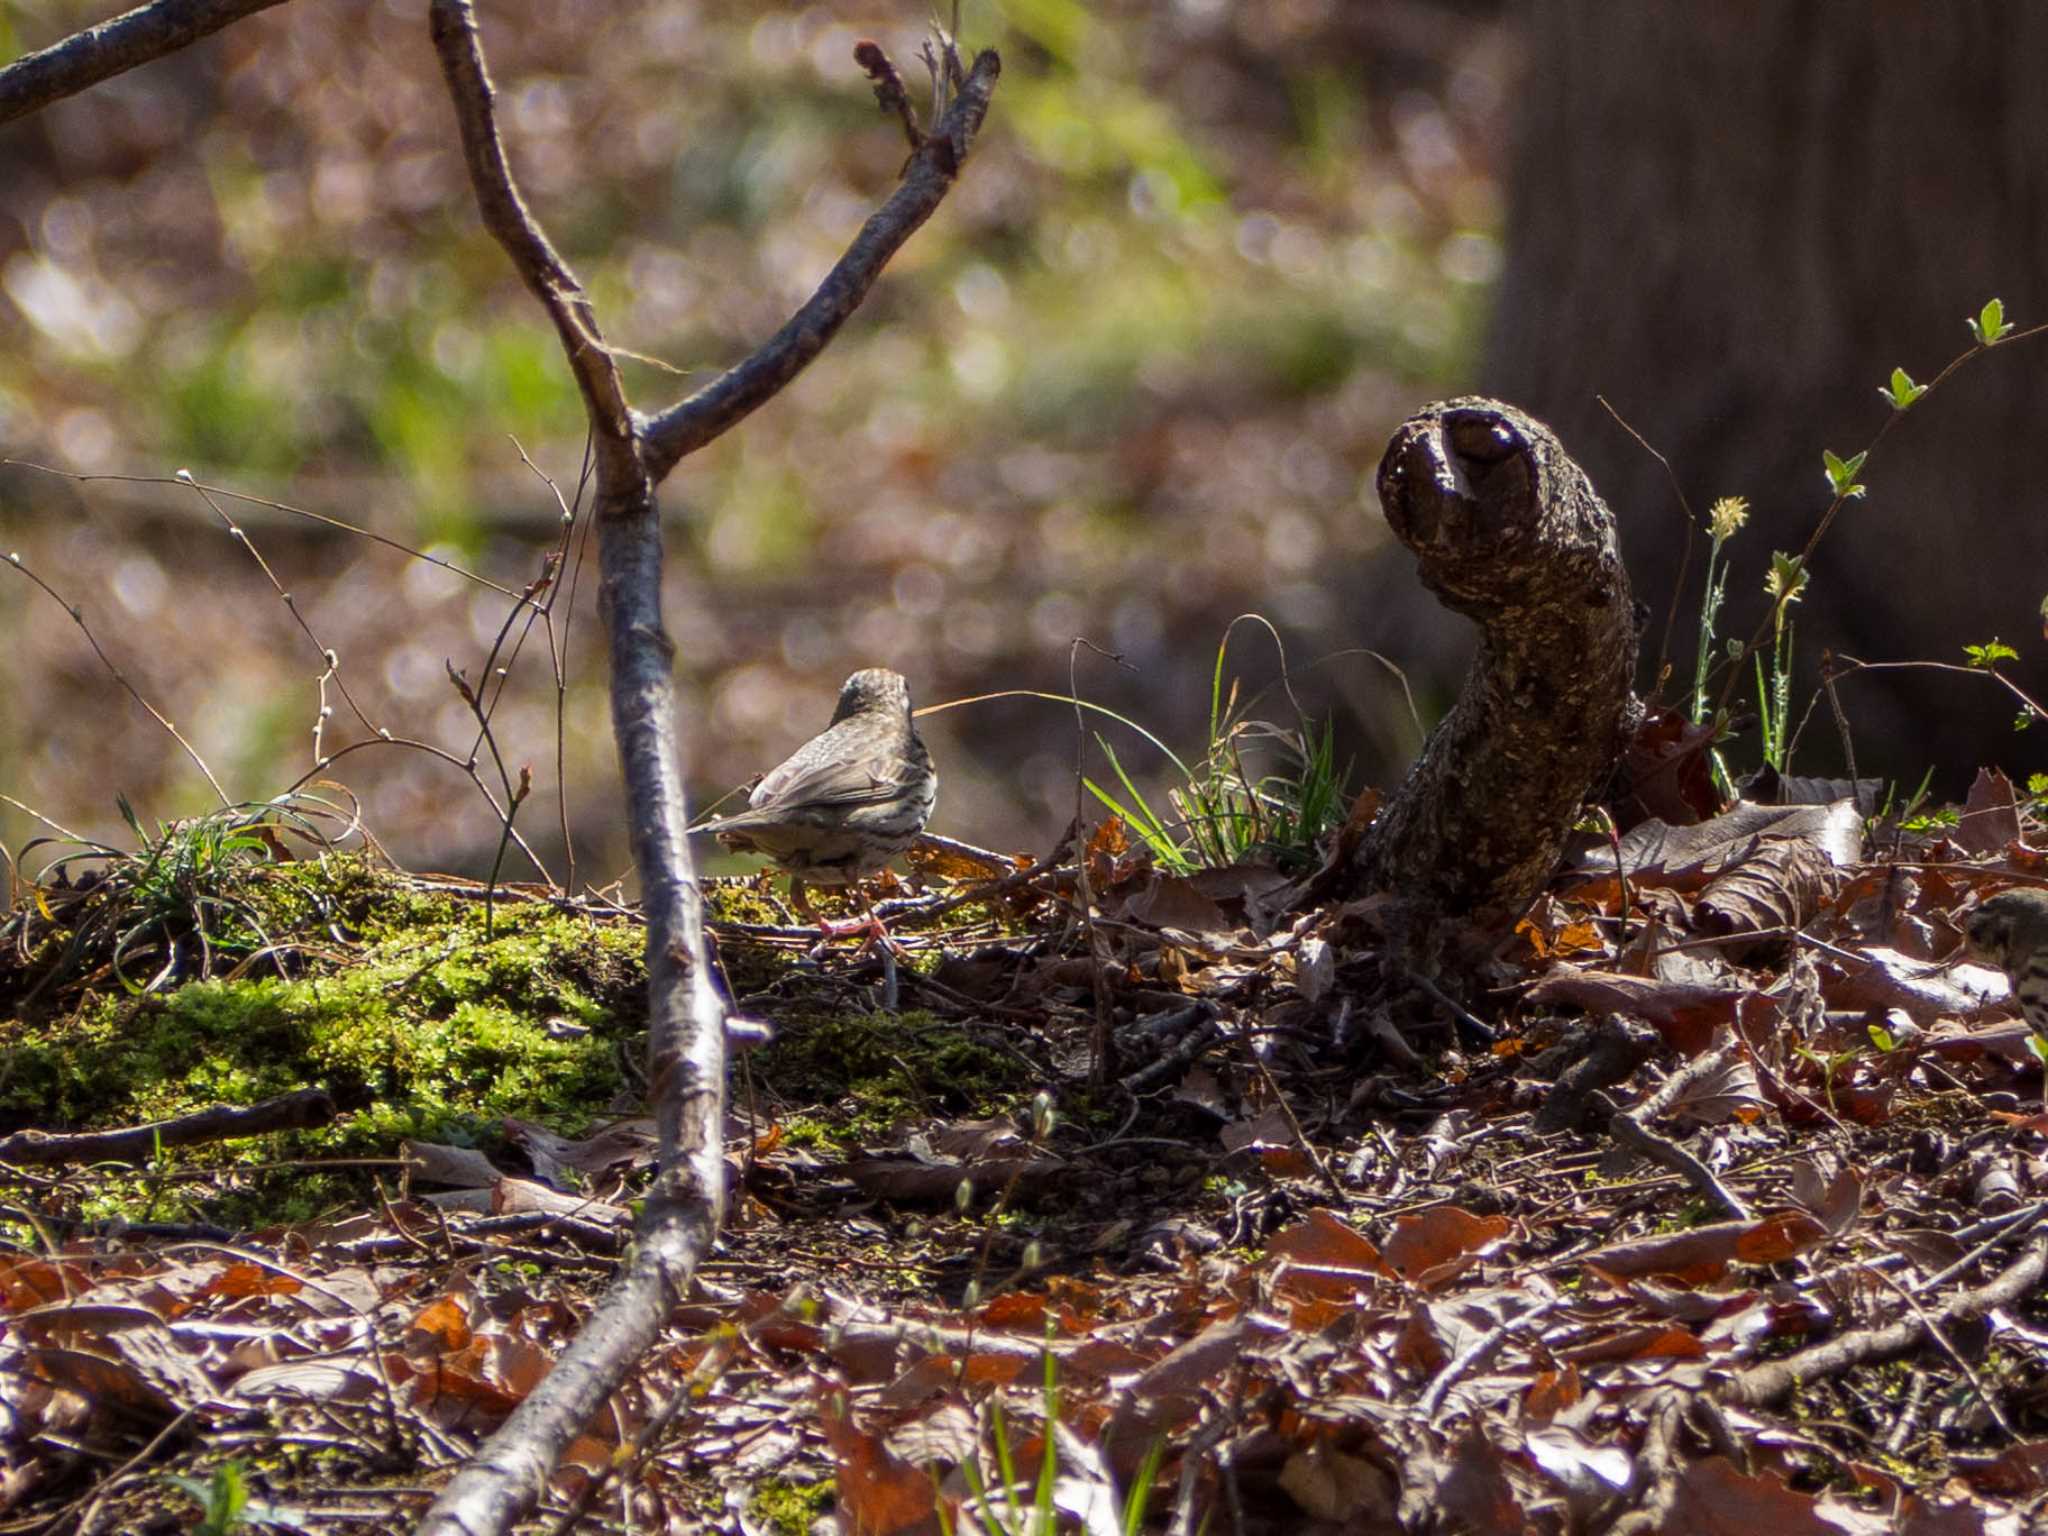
pixel 801 900
pixel 868 927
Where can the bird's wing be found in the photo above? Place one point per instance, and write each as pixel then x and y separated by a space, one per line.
pixel 826 780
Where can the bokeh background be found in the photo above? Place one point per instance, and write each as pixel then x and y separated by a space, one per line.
pixel 1131 381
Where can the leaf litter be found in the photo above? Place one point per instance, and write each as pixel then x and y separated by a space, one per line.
pixel 1262 1267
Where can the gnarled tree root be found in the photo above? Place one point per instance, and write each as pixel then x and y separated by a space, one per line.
pixel 1507 530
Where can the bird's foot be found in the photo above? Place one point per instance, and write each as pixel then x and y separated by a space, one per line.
pixel 869 929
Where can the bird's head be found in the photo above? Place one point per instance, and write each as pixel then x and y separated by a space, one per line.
pixel 2009 926
pixel 872 688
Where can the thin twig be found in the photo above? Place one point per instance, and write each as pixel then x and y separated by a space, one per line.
pixel 1684 560
pixel 78 617
pixel 686 1048
pixel 744 388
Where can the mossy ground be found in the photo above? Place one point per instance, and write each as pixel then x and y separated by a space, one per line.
pixel 425 1017
pixel 420 1016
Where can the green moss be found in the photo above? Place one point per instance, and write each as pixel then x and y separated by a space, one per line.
pixel 789 1509
pixel 396 1003
pixel 424 1020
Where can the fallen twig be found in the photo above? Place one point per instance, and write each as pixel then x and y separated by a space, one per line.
pixel 1632 1130
pixel 297 1111
pixel 1766 1383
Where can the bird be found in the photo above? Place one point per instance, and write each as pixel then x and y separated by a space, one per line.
pixel 2010 931
pixel 845 802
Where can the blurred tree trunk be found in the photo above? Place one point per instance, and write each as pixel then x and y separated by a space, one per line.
pixel 1732 220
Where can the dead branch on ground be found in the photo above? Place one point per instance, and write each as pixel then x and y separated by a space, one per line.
pixel 298 1111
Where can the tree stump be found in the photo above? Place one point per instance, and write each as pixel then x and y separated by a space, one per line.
pixel 1508 531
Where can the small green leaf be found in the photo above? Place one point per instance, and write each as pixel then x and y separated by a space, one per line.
pixel 2037 783
pixel 222 1500
pixel 1883 1039
pixel 1990 653
pixel 1842 473
pixel 1946 817
pixel 1902 391
pixel 1990 327
pixel 2023 719
pixel 1787 576
pixel 2039 1047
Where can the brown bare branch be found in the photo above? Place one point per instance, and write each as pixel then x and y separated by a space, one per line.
pixel 686 1030
pixel 113 47
pixel 139 1143
pixel 505 216
pixel 740 390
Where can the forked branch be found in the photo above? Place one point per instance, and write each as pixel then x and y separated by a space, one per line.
pixel 726 400
pixel 686 1027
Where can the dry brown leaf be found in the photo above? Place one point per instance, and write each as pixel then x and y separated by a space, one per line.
pixel 332 1378
pixel 1779 1236
pixel 445 1321
pixel 1173 902
pixel 1431 1248
pixel 1323 1240
pixel 939 1374
pixel 1204 1357
pixel 494 1371
pixel 1552 1391
pixel 1687 1015
pixel 2018 1471
pixel 945 860
pixel 106 1383
pixel 1661 1341
pixel 628 1144
pixel 513 1196
pixel 1705 1250
pixel 1657 853
pixel 1666 772
pixel 1783 883
pixel 943 1433
pixel 879 1494
pixel 438 1163
pixel 1571 936
pixel 1475 1492
pixel 29 1283
pixel 1714 1499
pixel 1330 1485
pixel 1730 1091
pixel 242 1279
pixel 1021 1310
pixel 1834 1195
pixel 1991 815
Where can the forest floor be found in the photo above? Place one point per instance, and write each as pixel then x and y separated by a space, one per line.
pixel 1718 1206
